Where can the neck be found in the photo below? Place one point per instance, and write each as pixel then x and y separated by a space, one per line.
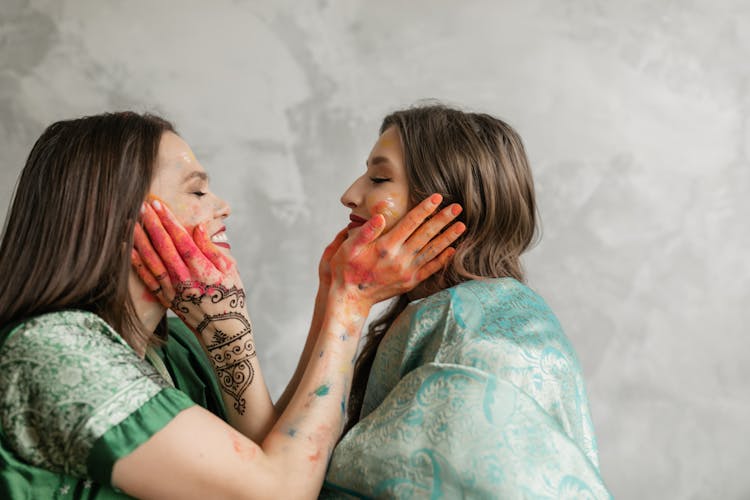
pixel 148 310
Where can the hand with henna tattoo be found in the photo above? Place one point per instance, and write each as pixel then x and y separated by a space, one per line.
pixel 201 285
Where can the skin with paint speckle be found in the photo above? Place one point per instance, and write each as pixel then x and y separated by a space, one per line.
pixel 384 187
pixel 181 183
pixel 246 450
pixel 322 390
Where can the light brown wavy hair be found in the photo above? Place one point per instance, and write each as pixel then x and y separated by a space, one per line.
pixel 67 237
pixel 478 161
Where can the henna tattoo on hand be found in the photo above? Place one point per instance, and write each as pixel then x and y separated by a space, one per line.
pixel 232 356
pixel 193 292
pixel 230 353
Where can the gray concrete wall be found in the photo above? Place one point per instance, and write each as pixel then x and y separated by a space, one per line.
pixel 636 115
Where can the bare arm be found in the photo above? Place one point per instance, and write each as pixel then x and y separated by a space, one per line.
pixel 199 456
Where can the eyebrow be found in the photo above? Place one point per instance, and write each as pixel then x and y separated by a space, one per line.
pixel 195 174
pixel 378 160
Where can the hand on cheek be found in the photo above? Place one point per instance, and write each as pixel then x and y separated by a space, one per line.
pixel 375 266
pixel 205 292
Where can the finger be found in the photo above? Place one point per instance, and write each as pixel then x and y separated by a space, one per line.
pixel 432 227
pixel 164 246
pixel 333 247
pixel 436 264
pixel 211 251
pixel 152 261
pixel 412 220
pixel 369 231
pixel 148 279
pixel 184 244
pixel 436 246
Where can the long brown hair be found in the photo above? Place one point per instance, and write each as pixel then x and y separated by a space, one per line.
pixel 478 161
pixel 67 237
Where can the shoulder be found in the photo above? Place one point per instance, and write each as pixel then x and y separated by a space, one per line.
pixel 502 296
pixel 501 323
pixel 504 306
pixel 59 331
pixel 65 379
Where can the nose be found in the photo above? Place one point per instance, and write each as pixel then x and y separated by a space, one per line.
pixel 222 210
pixel 351 197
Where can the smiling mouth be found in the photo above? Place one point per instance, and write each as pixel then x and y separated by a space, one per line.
pixel 220 239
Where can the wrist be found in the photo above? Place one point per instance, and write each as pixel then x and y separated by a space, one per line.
pixel 220 331
pixel 350 295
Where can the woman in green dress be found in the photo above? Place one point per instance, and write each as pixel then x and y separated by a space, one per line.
pixel 97 399
pixel 467 386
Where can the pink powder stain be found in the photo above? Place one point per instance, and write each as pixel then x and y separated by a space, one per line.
pixel 149 297
pixel 316 457
pixel 242 449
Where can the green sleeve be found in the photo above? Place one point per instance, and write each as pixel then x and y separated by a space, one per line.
pixel 74 397
pixel 123 438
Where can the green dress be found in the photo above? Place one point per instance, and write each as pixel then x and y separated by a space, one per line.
pixel 75 398
pixel 475 392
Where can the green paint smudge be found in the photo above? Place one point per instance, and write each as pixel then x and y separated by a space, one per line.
pixel 322 390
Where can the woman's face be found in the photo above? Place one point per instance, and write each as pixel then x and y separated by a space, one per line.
pixel 182 183
pixel 383 188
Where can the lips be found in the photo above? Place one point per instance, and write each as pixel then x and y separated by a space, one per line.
pixel 356 221
pixel 220 239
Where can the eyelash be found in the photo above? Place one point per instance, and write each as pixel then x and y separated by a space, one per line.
pixel 199 194
pixel 379 180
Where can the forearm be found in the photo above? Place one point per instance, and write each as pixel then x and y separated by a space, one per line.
pixel 316 324
pixel 305 434
pixel 231 349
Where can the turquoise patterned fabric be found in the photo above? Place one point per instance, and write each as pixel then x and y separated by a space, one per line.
pixel 475 392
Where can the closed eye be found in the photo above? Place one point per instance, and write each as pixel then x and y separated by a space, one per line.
pixel 379 180
pixel 199 194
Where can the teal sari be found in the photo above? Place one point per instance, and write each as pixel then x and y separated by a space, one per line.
pixel 475 392
pixel 74 398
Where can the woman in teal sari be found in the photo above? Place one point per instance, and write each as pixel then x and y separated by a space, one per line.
pixel 99 397
pixel 467 386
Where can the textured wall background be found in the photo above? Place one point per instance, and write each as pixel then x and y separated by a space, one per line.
pixel 636 116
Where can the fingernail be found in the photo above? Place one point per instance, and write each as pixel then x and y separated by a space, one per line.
pixel 459 227
pixel 436 199
pixel 457 209
pixel 156 204
pixel 378 221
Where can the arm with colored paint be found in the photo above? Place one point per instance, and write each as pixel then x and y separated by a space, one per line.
pixel 213 460
pixel 406 254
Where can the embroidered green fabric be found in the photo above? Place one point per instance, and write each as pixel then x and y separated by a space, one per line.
pixel 74 398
